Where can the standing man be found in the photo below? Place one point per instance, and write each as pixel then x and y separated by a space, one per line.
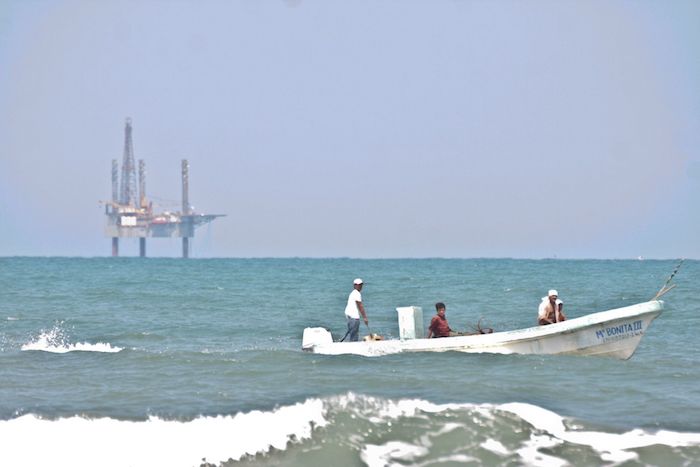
pixel 438 325
pixel 551 309
pixel 353 310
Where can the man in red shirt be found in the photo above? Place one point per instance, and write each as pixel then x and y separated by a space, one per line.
pixel 438 325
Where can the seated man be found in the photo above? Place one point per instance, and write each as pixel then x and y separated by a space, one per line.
pixel 551 309
pixel 438 325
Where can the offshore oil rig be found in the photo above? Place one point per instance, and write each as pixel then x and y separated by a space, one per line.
pixel 131 215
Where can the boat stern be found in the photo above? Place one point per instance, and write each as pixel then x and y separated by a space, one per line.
pixel 314 337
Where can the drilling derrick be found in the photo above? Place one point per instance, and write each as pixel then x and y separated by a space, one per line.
pixel 131 215
pixel 128 187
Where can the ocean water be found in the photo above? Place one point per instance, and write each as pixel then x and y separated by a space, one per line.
pixel 131 361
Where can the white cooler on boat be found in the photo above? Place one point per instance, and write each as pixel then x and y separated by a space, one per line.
pixel 410 322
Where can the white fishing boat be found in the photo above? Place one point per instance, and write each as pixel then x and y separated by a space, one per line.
pixel 613 333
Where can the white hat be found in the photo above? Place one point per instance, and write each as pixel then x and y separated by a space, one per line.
pixel 552 292
pixel 357 281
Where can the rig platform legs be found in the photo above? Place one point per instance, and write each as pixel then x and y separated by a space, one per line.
pixel 115 246
pixel 142 247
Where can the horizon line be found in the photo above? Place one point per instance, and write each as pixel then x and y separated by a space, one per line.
pixel 545 258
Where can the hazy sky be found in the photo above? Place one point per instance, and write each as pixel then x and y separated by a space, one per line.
pixel 358 128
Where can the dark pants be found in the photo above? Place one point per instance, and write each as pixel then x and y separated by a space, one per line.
pixel 353 329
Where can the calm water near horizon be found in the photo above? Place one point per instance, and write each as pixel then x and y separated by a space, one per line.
pixel 147 361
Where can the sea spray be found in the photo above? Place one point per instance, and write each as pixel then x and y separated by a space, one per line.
pixel 55 340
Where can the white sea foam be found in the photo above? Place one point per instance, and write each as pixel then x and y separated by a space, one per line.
pixel 85 442
pixel 380 410
pixel 388 453
pixel 495 446
pixel 78 441
pixel 531 452
pixel 382 455
pixel 550 432
pixel 55 341
pixel 613 447
pixel 79 347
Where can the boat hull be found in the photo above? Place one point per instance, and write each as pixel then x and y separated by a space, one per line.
pixel 614 333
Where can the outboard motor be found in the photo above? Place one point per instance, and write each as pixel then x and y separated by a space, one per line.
pixel 314 337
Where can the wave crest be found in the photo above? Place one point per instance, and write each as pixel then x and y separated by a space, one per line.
pixel 55 340
pixel 81 441
pixel 350 428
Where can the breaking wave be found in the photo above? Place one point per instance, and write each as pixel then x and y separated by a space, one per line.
pixel 56 341
pixel 347 429
pixel 81 441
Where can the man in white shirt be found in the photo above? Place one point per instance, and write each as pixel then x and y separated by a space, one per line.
pixel 551 309
pixel 353 310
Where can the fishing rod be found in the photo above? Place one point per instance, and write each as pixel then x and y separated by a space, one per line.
pixel 666 287
pixel 346 334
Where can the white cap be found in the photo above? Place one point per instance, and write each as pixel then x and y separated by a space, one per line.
pixel 552 292
pixel 357 281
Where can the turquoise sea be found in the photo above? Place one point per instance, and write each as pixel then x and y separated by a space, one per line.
pixel 144 361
